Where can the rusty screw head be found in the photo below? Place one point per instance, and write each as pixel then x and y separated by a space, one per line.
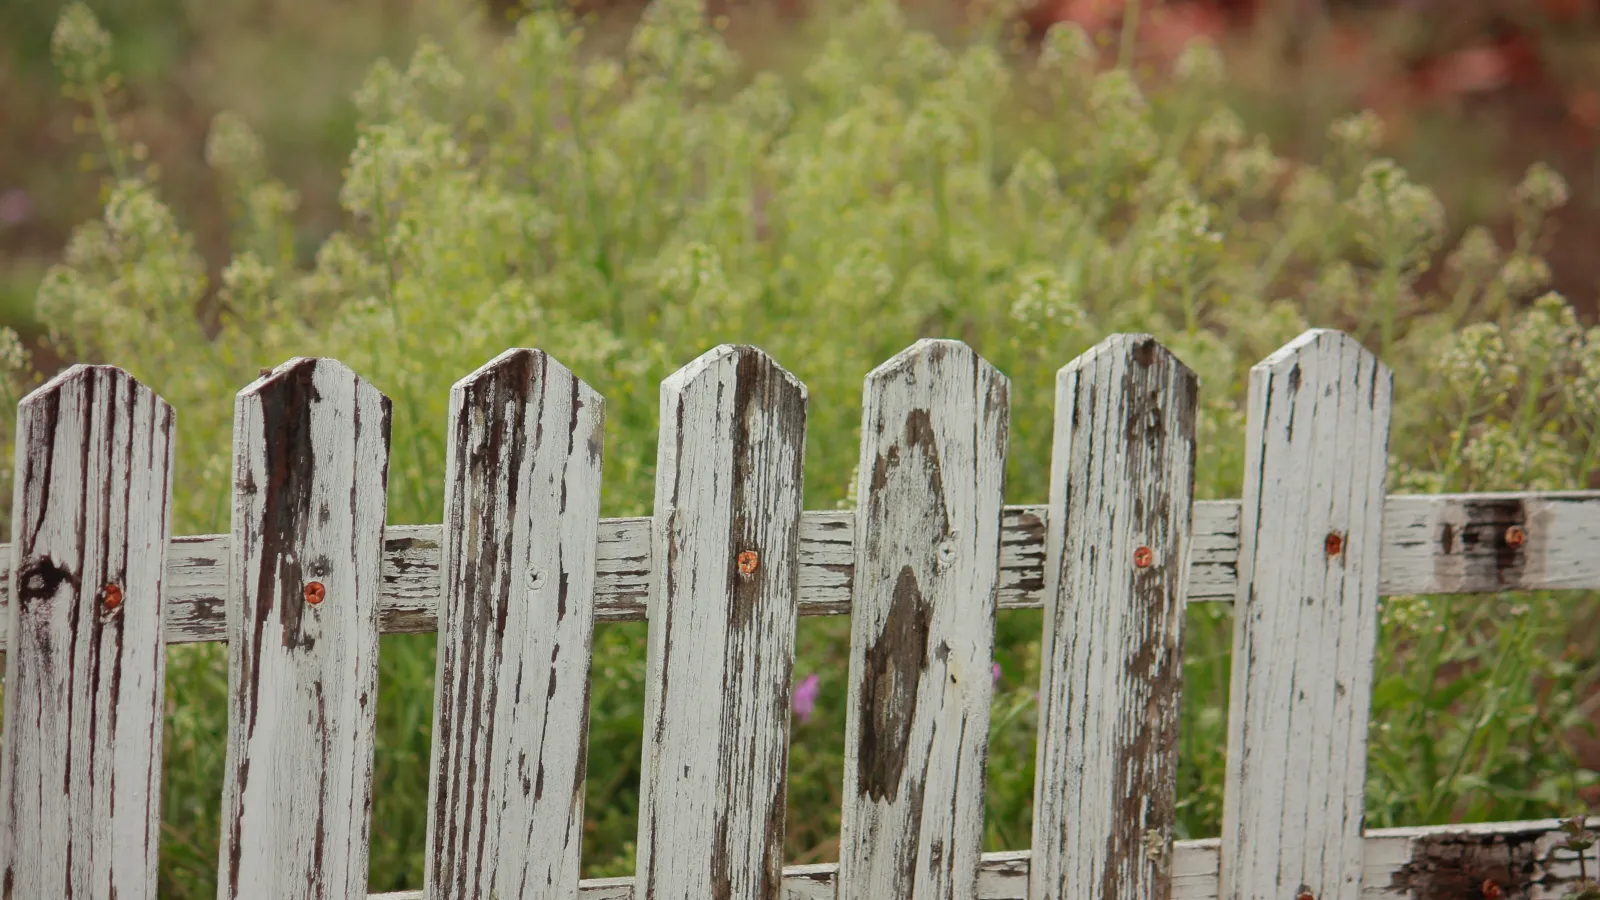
pixel 1516 536
pixel 1142 557
pixel 111 596
pixel 1491 890
pixel 748 560
pixel 1334 545
pixel 1305 895
pixel 315 592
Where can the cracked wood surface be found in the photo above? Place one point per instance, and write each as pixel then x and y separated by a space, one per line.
pixel 722 628
pixel 311 461
pixel 81 767
pixel 511 697
pixel 1306 621
pixel 1121 484
pixel 933 453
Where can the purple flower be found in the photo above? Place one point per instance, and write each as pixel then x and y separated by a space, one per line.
pixel 16 207
pixel 996 673
pixel 805 697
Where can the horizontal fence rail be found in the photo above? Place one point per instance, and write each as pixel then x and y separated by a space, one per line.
pixel 93 589
pixel 1447 862
pixel 1432 544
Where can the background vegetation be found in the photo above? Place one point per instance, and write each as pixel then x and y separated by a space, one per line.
pixel 628 198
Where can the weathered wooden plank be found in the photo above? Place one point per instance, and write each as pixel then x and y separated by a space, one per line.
pixel 1481 543
pixel 1561 551
pixel 722 623
pixel 1525 860
pixel 1121 485
pixel 933 454
pixel 80 772
pixel 511 698
pixel 1306 620
pixel 311 461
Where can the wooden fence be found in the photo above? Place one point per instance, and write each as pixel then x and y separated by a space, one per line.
pixel 523 566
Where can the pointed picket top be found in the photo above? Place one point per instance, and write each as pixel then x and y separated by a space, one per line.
pixel 311 462
pixel 723 605
pixel 753 364
pixel 522 508
pixel 85 671
pixel 1116 554
pixel 1305 620
pixel 1138 349
pixel 927 570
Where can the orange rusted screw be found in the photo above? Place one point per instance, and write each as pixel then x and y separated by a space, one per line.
pixel 748 560
pixel 1305 895
pixel 1142 557
pixel 1491 890
pixel 1334 545
pixel 111 596
pixel 1516 536
pixel 315 592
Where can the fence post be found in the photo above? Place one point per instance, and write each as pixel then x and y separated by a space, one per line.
pixel 311 465
pixel 80 781
pixel 516 615
pixel 1117 553
pixel 1305 621
pixel 722 614
pixel 927 567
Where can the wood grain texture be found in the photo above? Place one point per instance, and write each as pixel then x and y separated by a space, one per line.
pixel 933 455
pixel 511 696
pixel 1121 485
pixel 1525 860
pixel 1306 621
pixel 311 465
pixel 722 622
pixel 80 771
pixel 1423 553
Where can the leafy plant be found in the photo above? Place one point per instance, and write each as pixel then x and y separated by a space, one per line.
pixel 626 209
pixel 1579 839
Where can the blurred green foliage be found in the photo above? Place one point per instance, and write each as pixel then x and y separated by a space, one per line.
pixel 628 207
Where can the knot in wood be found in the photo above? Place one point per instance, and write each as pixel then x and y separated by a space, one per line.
pixel 1334 544
pixel 1143 557
pixel 1516 536
pixel 748 560
pixel 315 592
pixel 111 596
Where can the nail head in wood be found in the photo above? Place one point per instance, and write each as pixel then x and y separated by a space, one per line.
pixel 1516 536
pixel 111 596
pixel 315 593
pixel 748 560
pixel 536 578
pixel 1491 890
pixel 1305 895
pixel 1334 545
pixel 1142 557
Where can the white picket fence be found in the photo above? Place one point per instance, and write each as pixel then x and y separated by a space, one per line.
pixel 523 567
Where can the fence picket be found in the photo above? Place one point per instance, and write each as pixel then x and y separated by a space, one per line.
pixel 1121 486
pixel 81 772
pixel 722 622
pixel 311 460
pixel 1305 621
pixel 511 700
pixel 927 565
